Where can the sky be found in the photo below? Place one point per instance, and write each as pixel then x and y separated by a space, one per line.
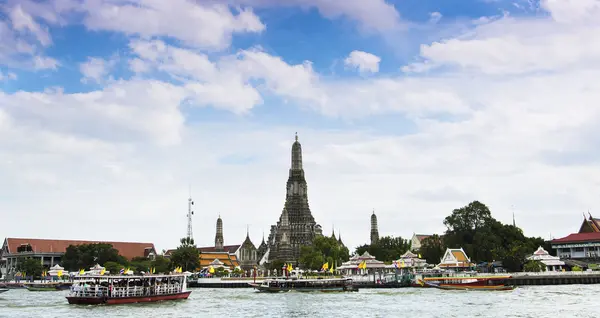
pixel 113 111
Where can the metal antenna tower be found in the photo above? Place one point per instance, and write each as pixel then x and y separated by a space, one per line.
pixel 189 216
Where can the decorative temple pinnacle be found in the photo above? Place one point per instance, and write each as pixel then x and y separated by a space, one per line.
pixel 296 136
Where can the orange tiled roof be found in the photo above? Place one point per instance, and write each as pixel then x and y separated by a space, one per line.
pixel 460 256
pixel 212 256
pixel 126 249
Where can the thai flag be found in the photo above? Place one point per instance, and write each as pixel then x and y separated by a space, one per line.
pixel 122 271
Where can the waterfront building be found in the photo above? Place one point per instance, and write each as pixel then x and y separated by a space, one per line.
pixel 374 229
pixel 417 240
pixel 351 266
pixel 410 259
pixel 582 246
pixel 296 226
pixel 553 263
pixel 455 258
pixel 50 252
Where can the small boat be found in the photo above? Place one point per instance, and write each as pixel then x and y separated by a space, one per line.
pixel 467 283
pixel 41 287
pixel 276 285
pixel 95 290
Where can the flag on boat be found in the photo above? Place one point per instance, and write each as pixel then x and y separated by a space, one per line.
pixel 122 271
pixel 153 270
pixel 211 270
pixel 325 266
pixel 395 264
pixel 403 264
pixel 290 268
pixel 81 272
pixel 59 273
pixel 331 270
pixel 102 271
pixel 420 255
pixel 127 271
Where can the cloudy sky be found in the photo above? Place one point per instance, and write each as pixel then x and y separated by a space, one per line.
pixel 111 109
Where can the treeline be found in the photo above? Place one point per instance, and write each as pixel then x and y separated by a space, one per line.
pixel 483 238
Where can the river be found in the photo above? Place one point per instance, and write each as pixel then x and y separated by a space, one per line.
pixel 532 301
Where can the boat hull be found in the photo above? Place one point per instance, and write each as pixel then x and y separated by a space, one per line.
pixel 265 289
pixel 126 300
pixel 470 287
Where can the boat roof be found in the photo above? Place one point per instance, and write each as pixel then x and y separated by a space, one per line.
pixel 467 277
pixel 307 279
pixel 130 276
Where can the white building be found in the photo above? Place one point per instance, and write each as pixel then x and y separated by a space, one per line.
pixel 553 263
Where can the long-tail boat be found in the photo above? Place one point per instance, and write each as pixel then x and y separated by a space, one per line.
pixel 467 283
pixel 276 285
pixel 93 290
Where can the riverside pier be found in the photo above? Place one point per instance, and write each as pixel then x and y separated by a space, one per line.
pixel 518 279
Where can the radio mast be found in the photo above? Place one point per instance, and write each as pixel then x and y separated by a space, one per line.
pixel 189 217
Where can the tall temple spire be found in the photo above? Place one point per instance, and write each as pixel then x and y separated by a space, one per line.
pixel 374 229
pixel 296 155
pixel 513 213
pixel 219 236
pixel 296 226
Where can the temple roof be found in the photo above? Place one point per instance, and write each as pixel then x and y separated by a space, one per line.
pixel 578 238
pixel 455 257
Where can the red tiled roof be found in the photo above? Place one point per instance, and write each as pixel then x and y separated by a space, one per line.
pixel 421 237
pixel 126 249
pixel 579 237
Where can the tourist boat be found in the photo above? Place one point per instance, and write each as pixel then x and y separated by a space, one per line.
pixel 467 283
pixel 93 290
pixel 277 285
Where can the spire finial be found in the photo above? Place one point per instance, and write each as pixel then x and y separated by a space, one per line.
pixel 296 136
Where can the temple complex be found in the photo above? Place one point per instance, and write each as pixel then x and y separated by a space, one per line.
pixel 417 240
pixel 374 229
pixel 296 226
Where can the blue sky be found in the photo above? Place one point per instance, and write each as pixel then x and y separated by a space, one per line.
pixel 411 107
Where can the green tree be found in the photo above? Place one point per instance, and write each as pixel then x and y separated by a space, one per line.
pixel 534 266
pixel 576 269
pixel 387 248
pixel 186 255
pixel 113 267
pixel 161 264
pixel 324 249
pixel 30 266
pixel 432 249
pixel 85 256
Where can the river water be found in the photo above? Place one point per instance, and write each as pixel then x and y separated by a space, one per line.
pixel 536 301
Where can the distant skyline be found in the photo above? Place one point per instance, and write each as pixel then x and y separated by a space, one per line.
pixel 111 109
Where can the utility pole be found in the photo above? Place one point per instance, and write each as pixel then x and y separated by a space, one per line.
pixel 189 216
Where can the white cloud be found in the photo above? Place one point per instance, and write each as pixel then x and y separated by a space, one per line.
pixel 363 61
pixel 435 17
pixel 95 69
pixel 200 25
pixel 570 38
pixel 44 62
pixel 21 21
pixel 7 76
